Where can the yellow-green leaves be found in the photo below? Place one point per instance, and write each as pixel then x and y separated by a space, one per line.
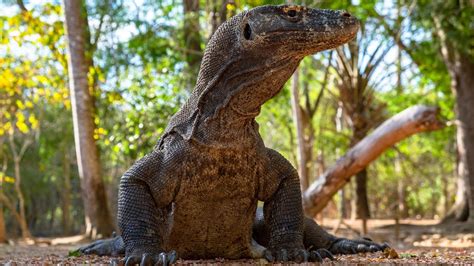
pixel 32 69
pixel 6 179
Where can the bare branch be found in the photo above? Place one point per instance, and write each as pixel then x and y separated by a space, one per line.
pixel 24 147
pixel 98 31
pixel 342 60
pixel 370 68
pixel 21 5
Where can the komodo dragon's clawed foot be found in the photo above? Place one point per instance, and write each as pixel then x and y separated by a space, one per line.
pixel 163 258
pixel 320 254
pixel 297 255
pixel 347 246
pixel 106 247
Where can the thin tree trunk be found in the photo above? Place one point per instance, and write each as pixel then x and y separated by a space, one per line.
pixel 401 208
pixel 3 235
pixel 410 121
pixel 361 206
pixel 402 203
pixel 218 17
pixel 342 204
pixel 17 157
pixel 192 41
pixel 214 21
pixel 298 119
pixel 9 205
pixel 80 60
pixel 52 218
pixel 25 232
pixel 66 194
pixel 362 203
pixel 446 194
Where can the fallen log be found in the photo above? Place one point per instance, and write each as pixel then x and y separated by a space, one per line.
pixel 412 120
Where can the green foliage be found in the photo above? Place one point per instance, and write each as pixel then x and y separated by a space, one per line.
pixel 74 253
pixel 455 17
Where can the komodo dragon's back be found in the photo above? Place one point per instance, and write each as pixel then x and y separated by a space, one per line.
pixel 196 193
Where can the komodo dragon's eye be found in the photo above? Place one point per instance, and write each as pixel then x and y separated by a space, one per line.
pixel 247 32
pixel 292 13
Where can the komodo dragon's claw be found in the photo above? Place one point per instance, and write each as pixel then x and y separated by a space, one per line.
pixel 297 255
pixel 321 254
pixel 347 246
pixel 105 247
pixel 161 259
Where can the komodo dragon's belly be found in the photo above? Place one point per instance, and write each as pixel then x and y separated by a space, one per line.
pixel 215 207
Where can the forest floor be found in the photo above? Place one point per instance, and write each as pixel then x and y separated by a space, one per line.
pixel 419 242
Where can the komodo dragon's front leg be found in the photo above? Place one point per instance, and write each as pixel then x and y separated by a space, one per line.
pixel 283 212
pixel 284 230
pixel 146 192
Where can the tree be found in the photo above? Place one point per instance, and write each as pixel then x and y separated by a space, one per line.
pixel 303 114
pixel 192 41
pixel 80 61
pixel 3 234
pixel 303 160
pixel 458 55
pixel 450 23
pixel 218 11
pixel 356 66
pixel 402 125
pixel 32 84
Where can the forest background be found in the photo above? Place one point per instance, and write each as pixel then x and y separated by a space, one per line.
pixel 141 61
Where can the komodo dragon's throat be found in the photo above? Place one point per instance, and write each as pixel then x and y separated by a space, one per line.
pixel 196 193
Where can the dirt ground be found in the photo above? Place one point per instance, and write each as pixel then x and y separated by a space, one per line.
pixel 414 241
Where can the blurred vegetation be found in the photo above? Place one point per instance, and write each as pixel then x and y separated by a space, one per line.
pixel 141 69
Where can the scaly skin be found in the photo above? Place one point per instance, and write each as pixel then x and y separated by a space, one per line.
pixel 196 193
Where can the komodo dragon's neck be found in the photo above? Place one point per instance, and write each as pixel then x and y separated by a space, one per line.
pixel 247 61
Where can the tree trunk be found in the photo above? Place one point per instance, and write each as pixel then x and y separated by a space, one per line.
pixel 218 17
pixel 66 194
pixel 461 69
pixel 362 203
pixel 25 232
pixel 462 78
pixel 3 235
pixel 406 123
pixel 342 204
pixel 79 61
pixel 17 157
pixel 9 205
pixel 465 133
pixel 361 210
pixel 298 118
pixel 192 41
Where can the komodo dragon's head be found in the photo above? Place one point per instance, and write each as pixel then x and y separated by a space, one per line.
pixel 251 56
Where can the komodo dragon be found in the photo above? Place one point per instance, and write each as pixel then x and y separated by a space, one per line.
pixel 195 195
